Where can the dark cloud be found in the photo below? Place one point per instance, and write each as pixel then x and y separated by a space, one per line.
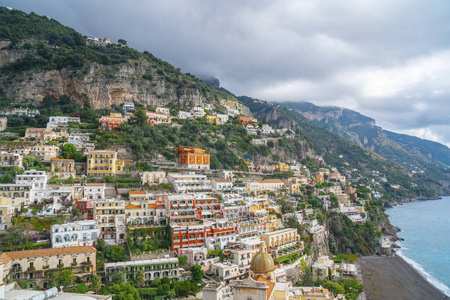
pixel 386 59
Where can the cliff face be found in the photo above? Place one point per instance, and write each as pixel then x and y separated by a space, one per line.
pixel 103 86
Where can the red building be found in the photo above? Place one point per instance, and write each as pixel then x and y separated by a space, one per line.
pixel 243 120
pixel 187 236
pixel 186 208
pixel 86 207
pixel 111 122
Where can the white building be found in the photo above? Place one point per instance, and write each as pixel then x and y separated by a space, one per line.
pixel 3 123
pixel 231 112
pixel 219 184
pixel 198 112
pixel 20 111
pixel 38 179
pixel 56 122
pixel 16 194
pixel 54 198
pixel 194 255
pixel 267 129
pixel 167 267
pixel 155 177
pixel 189 182
pixel 10 159
pixel 222 119
pixel 79 233
pixel 128 106
pixel 94 191
pixel 163 110
pixel 184 115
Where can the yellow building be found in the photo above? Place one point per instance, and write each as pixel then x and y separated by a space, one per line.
pixel 276 241
pixel 104 162
pixel 319 178
pixel 6 214
pixel 37 265
pixel 110 215
pixel 272 223
pixel 282 167
pixel 212 119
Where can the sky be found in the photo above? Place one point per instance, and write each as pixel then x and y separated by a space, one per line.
pixel 389 60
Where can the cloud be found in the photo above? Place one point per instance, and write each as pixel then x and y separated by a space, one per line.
pixel 386 59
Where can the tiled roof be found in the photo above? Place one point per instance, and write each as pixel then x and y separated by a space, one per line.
pixel 269 283
pixel 5 257
pixel 138 192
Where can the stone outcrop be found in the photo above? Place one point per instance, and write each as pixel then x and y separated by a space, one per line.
pixel 103 86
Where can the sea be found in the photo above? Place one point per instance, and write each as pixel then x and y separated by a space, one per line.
pixel 425 226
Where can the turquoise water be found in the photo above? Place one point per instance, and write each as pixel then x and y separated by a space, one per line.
pixel 425 227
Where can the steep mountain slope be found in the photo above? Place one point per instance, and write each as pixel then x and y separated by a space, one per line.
pixel 40 57
pixel 415 154
pixel 357 161
pixel 429 149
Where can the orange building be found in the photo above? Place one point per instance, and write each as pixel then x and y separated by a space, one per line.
pixel 243 120
pixel 113 121
pixel 193 158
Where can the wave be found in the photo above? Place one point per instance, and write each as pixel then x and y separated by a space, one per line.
pixel 436 283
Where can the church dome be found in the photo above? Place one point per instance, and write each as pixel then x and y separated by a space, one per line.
pixel 262 262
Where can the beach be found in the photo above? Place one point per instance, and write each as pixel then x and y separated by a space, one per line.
pixel 393 278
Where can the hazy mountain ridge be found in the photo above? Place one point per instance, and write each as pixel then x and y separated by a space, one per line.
pixel 362 130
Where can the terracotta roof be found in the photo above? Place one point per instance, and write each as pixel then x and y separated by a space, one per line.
pixel 54 158
pixel 271 181
pixel 5 257
pixel 269 283
pixel 94 184
pixel 138 192
pixel 132 207
pixel 156 206
pixel 125 159
pixel 220 180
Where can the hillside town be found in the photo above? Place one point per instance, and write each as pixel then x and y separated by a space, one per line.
pixel 78 216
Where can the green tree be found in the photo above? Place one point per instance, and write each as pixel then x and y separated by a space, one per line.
pixel 30 162
pixel 96 283
pixel 334 287
pixel 182 288
pixel 307 278
pixel 197 273
pixel 140 117
pixel 17 236
pixel 119 278
pixel 124 291
pixel 182 260
pixel 68 151
pixel 140 279
pixel 122 42
pixel 117 253
pixel 65 278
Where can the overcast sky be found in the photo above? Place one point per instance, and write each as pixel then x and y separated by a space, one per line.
pixel 389 60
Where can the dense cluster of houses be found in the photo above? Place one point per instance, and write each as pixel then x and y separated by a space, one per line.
pixel 203 211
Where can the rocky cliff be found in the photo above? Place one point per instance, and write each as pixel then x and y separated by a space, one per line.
pixel 105 85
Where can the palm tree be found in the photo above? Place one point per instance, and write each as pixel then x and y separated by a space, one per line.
pixel 96 283
pixel 140 279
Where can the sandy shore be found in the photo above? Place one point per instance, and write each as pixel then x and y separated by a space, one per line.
pixel 393 278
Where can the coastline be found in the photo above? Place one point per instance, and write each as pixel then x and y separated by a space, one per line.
pixel 391 277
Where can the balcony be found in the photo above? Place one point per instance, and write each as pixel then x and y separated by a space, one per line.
pixel 60 266
pixel 30 269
